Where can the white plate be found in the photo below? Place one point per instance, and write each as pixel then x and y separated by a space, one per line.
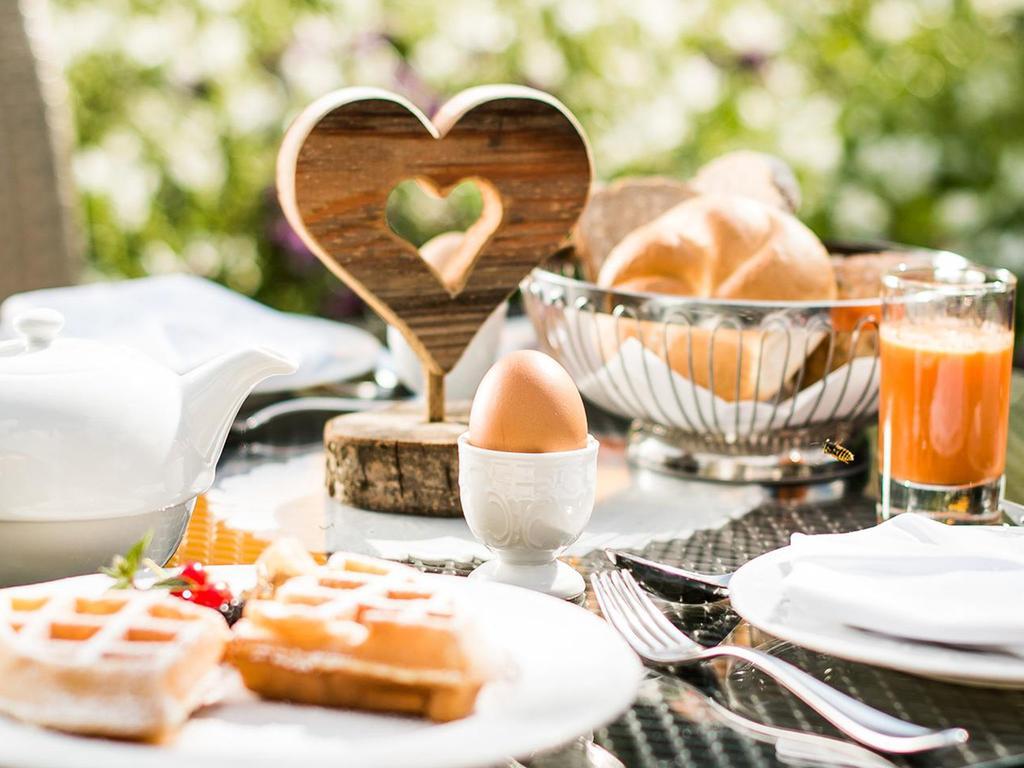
pixel 329 352
pixel 565 672
pixel 756 594
pixel 183 320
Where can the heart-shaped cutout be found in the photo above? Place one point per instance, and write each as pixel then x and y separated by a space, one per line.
pixel 452 252
pixel 344 154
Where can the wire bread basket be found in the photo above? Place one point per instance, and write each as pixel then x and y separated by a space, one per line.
pixel 744 392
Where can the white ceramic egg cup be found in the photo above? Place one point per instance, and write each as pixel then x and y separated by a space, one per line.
pixel 527 508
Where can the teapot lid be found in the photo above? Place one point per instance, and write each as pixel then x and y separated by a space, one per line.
pixel 39 351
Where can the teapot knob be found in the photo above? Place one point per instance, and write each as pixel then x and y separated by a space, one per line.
pixel 39 327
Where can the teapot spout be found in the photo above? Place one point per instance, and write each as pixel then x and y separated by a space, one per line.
pixel 213 392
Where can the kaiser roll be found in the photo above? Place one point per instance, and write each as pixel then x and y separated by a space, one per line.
pixel 725 247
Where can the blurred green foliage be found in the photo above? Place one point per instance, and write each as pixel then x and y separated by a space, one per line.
pixel 901 117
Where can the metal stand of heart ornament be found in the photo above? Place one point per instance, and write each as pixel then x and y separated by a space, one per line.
pixel 339 162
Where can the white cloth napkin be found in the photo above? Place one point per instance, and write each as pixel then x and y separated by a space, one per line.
pixel 182 321
pixel 915 578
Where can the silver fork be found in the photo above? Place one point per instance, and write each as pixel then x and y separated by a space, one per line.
pixel 657 640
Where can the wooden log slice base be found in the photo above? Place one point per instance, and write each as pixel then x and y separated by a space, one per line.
pixel 393 460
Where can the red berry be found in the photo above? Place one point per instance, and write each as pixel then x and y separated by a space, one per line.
pixel 195 573
pixel 213 595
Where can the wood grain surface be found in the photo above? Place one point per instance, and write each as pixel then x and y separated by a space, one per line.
pixel 392 460
pixel 347 151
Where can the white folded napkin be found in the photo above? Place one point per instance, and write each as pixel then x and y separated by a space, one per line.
pixel 915 578
pixel 182 321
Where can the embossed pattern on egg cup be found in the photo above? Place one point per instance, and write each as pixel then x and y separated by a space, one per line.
pixel 527 508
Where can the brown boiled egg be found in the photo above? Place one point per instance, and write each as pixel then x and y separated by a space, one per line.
pixel 527 403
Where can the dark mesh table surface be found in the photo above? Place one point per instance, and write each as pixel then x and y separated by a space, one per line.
pixel 670 724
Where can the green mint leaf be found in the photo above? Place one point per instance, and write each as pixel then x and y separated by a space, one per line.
pixel 122 568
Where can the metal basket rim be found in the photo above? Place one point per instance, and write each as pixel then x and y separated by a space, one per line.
pixel 593 291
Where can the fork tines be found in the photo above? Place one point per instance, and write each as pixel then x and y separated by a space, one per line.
pixel 636 617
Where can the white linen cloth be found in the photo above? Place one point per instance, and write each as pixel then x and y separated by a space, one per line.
pixel 183 320
pixel 915 578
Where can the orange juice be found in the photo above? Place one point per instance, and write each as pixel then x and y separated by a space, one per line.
pixel 944 401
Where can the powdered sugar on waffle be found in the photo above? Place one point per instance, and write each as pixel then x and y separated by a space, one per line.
pixel 129 664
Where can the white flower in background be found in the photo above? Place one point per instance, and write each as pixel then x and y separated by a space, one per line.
pixel 858 212
pixel 221 6
pixel 893 21
pixel 986 91
pixel 309 64
pixel 998 7
pixel 153 115
pixel 203 257
pixel 241 262
pixel 477 25
pixel 692 15
pixel 195 160
pixel 697 83
pixel 158 258
pixel 667 123
pixel 323 33
pixel 542 63
pixel 960 211
pixel 627 67
pixel 754 28
pixel 808 136
pixel 84 29
pixel 660 21
pixel 375 66
pixel 360 14
pixel 577 17
pixel 154 40
pixel 757 108
pixel 785 79
pixel 934 13
pixel 219 47
pixel 117 172
pixel 254 104
pixel 437 60
pixel 905 165
pixel 657 126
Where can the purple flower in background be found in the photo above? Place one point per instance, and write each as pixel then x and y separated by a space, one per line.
pixel 297 255
pixel 340 303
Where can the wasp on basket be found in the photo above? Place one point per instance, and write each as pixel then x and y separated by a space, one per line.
pixel 836 450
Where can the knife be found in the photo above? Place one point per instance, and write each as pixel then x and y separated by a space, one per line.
pixel 672 582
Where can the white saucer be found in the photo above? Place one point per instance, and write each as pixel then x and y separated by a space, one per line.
pixel 756 594
pixel 556 578
pixel 562 672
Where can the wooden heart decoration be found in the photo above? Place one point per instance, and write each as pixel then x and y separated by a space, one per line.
pixel 344 154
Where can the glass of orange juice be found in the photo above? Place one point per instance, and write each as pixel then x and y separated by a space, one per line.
pixel 946 353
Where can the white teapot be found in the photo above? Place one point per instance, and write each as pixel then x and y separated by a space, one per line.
pixel 99 443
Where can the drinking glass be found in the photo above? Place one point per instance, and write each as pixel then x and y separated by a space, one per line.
pixel 946 353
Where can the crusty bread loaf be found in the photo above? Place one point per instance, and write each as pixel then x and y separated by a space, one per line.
pixel 614 210
pixel 758 175
pixel 725 247
pixel 858 276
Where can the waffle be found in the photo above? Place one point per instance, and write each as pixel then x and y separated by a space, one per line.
pixel 360 633
pixel 124 664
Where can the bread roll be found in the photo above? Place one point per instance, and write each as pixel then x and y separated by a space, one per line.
pixel 758 175
pixel 444 255
pixel 725 247
pixel 615 210
pixel 858 276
